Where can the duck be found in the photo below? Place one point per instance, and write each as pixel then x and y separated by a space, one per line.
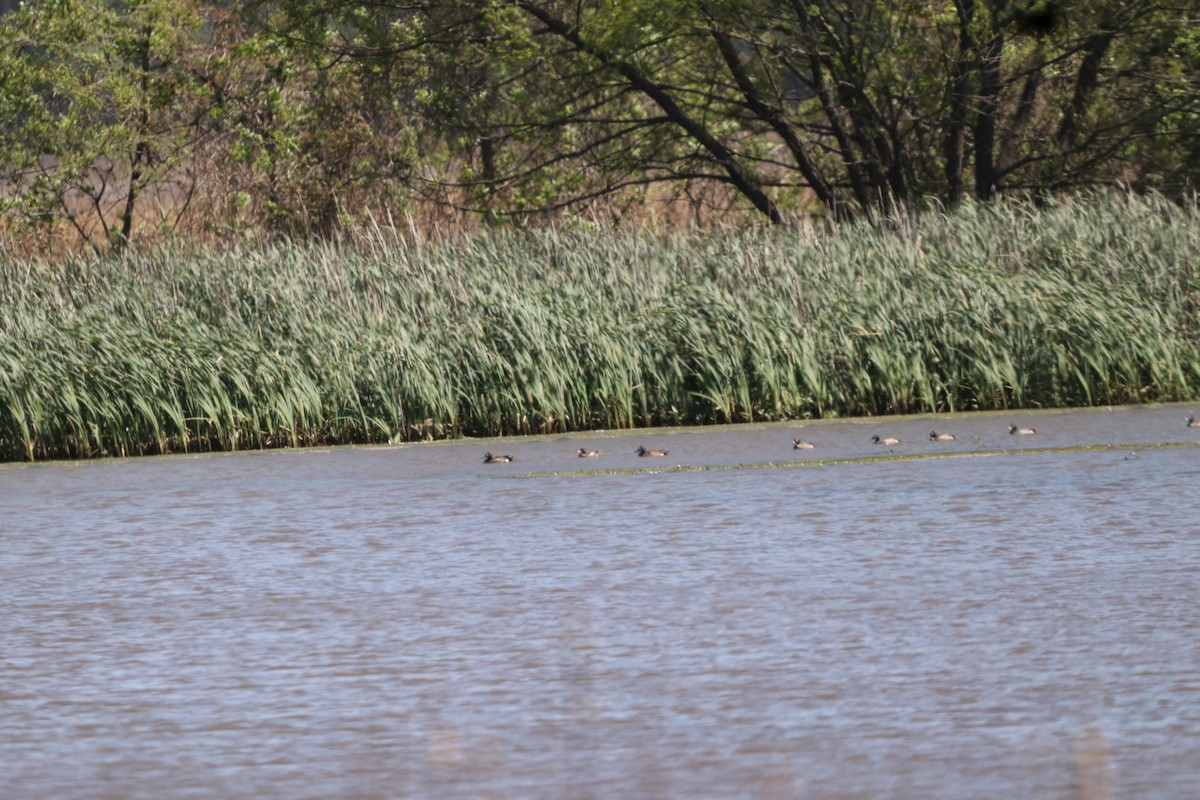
pixel 1016 430
pixel 934 436
pixel 800 444
pixel 890 440
pixel 488 458
pixel 585 453
pixel 643 452
pixel 1192 422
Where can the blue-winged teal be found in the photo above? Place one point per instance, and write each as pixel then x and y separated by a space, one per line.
pixel 641 451
pixel 585 453
pixel 1016 430
pixel 934 436
pixel 488 458
pixel 1192 422
pixel 890 440
pixel 800 444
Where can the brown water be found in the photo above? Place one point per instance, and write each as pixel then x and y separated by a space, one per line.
pixel 409 622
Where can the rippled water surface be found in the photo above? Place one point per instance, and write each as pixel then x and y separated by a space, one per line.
pixel 410 622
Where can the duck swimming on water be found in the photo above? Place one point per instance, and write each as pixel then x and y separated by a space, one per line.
pixel 1192 422
pixel 488 458
pixel 889 440
pixel 934 436
pixel 585 453
pixel 800 444
pixel 643 452
pixel 1016 430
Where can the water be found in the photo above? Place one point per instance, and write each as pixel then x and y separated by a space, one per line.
pixel 409 622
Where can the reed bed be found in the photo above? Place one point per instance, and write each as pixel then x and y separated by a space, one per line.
pixel 998 306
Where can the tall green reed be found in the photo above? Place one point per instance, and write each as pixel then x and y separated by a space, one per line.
pixel 996 306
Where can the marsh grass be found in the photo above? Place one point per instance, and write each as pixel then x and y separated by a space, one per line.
pixel 998 306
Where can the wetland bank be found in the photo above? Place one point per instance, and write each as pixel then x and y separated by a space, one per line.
pixel 386 339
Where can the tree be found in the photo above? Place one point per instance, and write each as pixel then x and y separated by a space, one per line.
pixel 294 115
pixel 864 106
pixel 305 132
pixel 100 113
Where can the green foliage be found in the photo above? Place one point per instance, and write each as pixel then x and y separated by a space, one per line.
pixel 992 306
pixel 93 99
pixel 214 121
pixel 304 138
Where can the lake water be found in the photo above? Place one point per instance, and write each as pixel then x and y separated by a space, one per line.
pixel 1018 619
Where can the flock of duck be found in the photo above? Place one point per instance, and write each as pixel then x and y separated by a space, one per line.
pixel 488 458
pixel 934 436
pixel 801 444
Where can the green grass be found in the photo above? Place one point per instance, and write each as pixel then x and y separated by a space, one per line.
pixel 1001 306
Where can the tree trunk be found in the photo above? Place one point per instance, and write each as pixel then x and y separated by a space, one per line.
pixel 954 146
pixel 141 150
pixel 985 121
pixel 1085 83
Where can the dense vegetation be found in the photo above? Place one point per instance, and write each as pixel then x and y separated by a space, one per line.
pixel 136 120
pixel 991 306
pixel 230 225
